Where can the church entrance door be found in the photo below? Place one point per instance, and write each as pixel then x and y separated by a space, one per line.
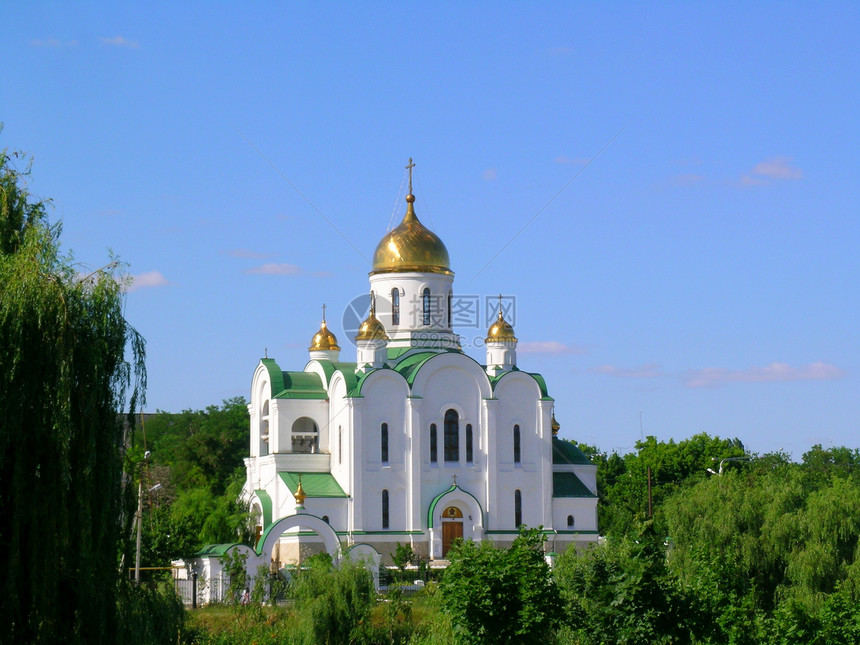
pixel 451 530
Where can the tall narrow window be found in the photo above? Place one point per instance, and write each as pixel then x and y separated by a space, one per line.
pixel 383 438
pixel 570 521
pixel 426 303
pixel 517 444
pixel 433 446
pixel 469 443
pixel 339 445
pixel 395 306
pixel 518 508
pixel 385 509
pixel 452 436
pixel 450 308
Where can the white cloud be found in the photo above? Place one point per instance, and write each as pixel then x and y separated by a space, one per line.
pixel 147 280
pixel 271 268
pixel 549 347
pixel 246 253
pixel 490 174
pixel 121 41
pixel 651 370
pixel 775 372
pixel 575 161
pixel 776 168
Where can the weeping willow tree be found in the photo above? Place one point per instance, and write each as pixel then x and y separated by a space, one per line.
pixel 64 379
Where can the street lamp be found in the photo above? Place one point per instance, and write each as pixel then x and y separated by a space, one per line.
pixel 722 463
pixel 139 517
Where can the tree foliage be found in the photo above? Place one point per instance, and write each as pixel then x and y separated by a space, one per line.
pixel 501 595
pixel 197 457
pixel 64 379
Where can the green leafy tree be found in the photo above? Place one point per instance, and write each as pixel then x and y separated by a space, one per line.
pixel 332 603
pixel 621 592
pixel 64 379
pixel 501 595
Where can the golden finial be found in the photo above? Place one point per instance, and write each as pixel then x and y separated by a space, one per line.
pixel 555 425
pixel 324 310
pixel 455 480
pixel 300 493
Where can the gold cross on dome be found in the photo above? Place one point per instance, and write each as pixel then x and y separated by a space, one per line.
pixel 323 312
pixel 409 168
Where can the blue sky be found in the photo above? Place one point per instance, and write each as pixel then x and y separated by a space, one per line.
pixel 699 265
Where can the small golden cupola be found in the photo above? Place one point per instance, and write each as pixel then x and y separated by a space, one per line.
pixel 555 426
pixel 324 343
pixel 371 328
pixel 411 246
pixel 501 330
pixel 501 345
pixel 371 341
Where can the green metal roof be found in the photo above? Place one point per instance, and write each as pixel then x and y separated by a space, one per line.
pixel 276 376
pixel 565 452
pixel 314 484
pixel 569 485
pixel 541 383
pixel 301 385
pixel 436 499
pixel 217 549
pixel 347 369
pixel 266 503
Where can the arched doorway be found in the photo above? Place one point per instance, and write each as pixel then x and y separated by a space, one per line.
pixel 452 527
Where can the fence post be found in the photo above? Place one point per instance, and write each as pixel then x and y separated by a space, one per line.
pixel 194 589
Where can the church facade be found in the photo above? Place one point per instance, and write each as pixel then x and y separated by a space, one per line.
pixel 411 440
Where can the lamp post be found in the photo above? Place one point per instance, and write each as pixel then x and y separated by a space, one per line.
pixel 139 517
pixel 722 463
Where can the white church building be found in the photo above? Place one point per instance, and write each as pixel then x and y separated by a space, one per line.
pixel 411 440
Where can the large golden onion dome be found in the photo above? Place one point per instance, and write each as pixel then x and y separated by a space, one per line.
pixel 371 328
pixel 411 247
pixel 501 330
pixel 323 339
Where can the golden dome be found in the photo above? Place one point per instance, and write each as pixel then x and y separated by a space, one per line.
pixel 371 328
pixel 323 339
pixel 411 247
pixel 555 425
pixel 501 330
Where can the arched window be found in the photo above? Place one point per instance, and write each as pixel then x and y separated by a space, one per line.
pixel 395 306
pixel 383 438
pixel 518 508
pixel 339 445
pixel 450 308
pixel 385 509
pixel 264 430
pixel 517 454
pixel 570 521
pixel 426 306
pixel 452 436
pixel 433 445
pixel 305 436
pixel 469 443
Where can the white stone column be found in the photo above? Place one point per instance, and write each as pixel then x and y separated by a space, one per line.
pixel 490 460
pixel 544 415
pixel 355 463
pixel 413 429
